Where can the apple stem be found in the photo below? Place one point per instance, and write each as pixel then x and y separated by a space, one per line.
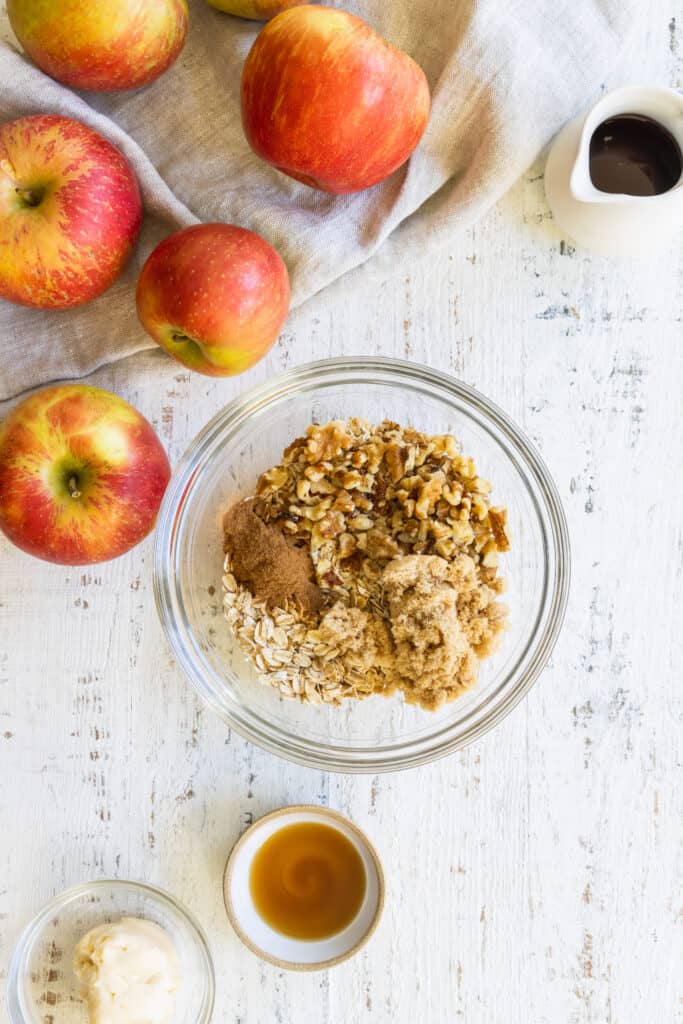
pixel 73 488
pixel 30 197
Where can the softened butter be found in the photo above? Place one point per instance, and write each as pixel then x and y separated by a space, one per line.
pixel 129 973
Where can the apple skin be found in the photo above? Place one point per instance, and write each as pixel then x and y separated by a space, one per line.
pixel 256 10
pixel 70 212
pixel 82 475
pixel 104 46
pixel 329 102
pixel 215 296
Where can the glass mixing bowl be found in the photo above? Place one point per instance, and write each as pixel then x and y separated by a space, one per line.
pixel 223 464
pixel 41 985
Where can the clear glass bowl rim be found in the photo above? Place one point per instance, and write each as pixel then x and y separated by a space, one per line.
pixel 62 899
pixel 361 370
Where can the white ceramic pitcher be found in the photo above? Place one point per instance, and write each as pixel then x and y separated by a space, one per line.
pixel 614 224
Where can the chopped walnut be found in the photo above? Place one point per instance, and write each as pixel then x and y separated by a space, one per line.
pixel 326 442
pixel 397 461
pixel 498 519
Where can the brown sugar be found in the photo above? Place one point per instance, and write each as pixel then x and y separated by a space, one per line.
pixel 433 657
pixel 269 564
pixel 362 639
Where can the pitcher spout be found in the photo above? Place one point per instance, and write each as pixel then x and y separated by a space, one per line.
pixel 580 183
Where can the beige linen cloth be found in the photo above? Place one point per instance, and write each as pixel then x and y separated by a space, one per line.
pixel 504 75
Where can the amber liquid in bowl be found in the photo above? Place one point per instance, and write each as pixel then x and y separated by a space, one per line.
pixel 308 881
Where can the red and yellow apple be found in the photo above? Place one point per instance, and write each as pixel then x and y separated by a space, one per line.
pixel 101 44
pixel 82 475
pixel 329 102
pixel 257 10
pixel 70 212
pixel 215 296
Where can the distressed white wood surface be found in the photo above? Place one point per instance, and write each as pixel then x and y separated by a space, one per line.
pixel 531 877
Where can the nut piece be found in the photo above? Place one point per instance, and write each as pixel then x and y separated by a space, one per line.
pixel 328 442
pixel 498 519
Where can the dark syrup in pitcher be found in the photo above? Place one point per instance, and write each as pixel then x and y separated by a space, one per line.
pixel 635 156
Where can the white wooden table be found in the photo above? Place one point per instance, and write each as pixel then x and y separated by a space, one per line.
pixel 531 877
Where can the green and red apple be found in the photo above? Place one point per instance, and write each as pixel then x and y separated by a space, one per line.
pixel 101 44
pixel 70 212
pixel 215 296
pixel 329 102
pixel 257 10
pixel 82 475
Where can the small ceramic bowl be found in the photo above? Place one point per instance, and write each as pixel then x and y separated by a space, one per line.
pixel 281 950
pixel 41 985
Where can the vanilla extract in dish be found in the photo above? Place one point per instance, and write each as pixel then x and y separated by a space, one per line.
pixel 635 156
pixel 308 881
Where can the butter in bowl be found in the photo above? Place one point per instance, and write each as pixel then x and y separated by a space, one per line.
pixel 304 888
pixel 114 951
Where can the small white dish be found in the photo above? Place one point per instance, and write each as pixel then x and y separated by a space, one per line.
pixel 281 950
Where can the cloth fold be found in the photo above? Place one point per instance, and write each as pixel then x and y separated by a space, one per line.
pixel 504 77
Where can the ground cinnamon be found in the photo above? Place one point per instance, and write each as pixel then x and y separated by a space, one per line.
pixel 265 561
